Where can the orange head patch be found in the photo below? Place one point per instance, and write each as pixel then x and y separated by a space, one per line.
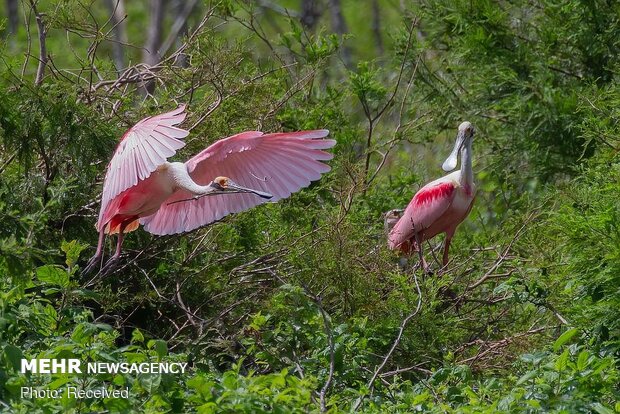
pixel 222 181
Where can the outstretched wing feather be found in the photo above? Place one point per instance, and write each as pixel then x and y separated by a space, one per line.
pixel 279 164
pixel 142 149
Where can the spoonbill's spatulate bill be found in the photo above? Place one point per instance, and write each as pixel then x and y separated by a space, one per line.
pixel 232 175
pixel 441 205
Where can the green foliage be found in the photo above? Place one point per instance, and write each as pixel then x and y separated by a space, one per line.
pixel 586 225
pixel 277 392
pixel 367 88
pixel 572 381
pixel 522 71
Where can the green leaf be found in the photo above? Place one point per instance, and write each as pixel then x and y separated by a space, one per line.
pixel 564 338
pixel 160 347
pixel 72 251
pixel 150 382
pixel 601 409
pixel 526 377
pixel 560 363
pixel 201 385
pixel 582 360
pixel 59 382
pixel 136 336
pixel 117 405
pixel 54 275
pixel 13 356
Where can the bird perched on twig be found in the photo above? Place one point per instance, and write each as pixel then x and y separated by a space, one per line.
pixel 232 175
pixel 441 205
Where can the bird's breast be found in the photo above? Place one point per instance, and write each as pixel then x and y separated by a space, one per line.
pixel 462 200
pixel 147 196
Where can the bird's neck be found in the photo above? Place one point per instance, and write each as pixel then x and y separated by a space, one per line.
pixel 182 180
pixel 197 189
pixel 467 172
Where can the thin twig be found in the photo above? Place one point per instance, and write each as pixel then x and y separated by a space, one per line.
pixel 332 358
pixel 403 325
pixel 373 119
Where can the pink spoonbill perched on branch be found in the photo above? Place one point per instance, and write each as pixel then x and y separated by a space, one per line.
pixel 441 205
pixel 232 175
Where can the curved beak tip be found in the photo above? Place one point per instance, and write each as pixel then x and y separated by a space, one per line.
pixel 261 194
pixel 449 164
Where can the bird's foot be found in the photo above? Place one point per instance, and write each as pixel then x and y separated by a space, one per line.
pixel 108 268
pixel 111 265
pixel 426 268
pixel 92 264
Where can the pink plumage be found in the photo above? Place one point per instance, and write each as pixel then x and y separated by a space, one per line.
pixel 142 149
pixel 423 212
pixel 231 175
pixel 440 206
pixel 279 164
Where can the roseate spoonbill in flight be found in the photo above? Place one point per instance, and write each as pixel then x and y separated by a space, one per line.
pixel 441 205
pixel 232 175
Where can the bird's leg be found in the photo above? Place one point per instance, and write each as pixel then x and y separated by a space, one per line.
pixel 419 242
pixel 90 266
pixel 111 264
pixel 445 291
pixel 446 249
pixel 119 242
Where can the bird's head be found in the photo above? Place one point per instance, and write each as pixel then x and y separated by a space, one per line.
pixel 463 137
pixel 394 214
pixel 391 218
pixel 224 185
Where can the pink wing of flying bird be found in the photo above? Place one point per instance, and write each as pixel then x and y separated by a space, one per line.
pixel 141 150
pixel 426 207
pixel 279 164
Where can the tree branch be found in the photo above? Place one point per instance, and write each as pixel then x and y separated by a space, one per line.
pixel 42 45
pixel 403 325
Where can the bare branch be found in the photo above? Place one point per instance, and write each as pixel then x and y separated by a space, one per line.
pixel 403 325
pixel 373 119
pixel 42 44
pixel 177 27
pixel 118 18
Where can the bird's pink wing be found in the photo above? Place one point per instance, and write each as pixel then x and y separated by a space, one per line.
pixel 424 209
pixel 279 164
pixel 141 150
